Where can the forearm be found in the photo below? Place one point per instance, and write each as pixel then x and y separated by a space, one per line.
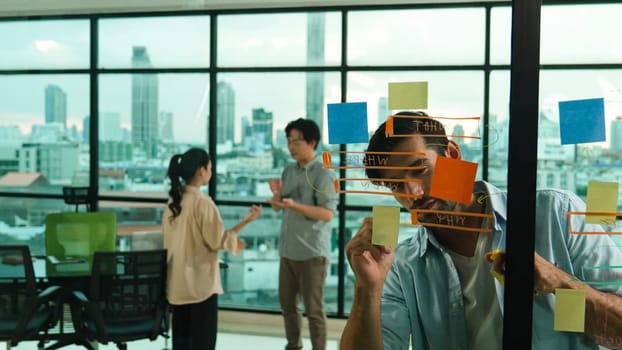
pixel 363 329
pixel 312 212
pixel 240 225
pixel 603 315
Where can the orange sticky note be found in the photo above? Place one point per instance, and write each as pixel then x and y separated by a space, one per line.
pixel 569 310
pixel 453 180
pixel 386 225
pixel 601 197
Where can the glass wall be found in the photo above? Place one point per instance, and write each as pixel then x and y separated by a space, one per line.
pixel 161 85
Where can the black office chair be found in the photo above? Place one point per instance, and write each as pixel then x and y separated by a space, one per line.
pixel 127 298
pixel 25 312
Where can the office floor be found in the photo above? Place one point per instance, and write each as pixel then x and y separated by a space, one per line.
pixel 225 341
pixel 236 330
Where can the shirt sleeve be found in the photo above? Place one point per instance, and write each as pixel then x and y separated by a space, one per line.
pixel 394 313
pixel 326 197
pixel 595 258
pixel 213 230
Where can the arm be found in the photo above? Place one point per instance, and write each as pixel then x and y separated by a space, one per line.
pixel 253 213
pixel 370 264
pixel 603 310
pixel 314 212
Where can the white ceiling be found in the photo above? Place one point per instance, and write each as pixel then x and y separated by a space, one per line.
pixel 11 8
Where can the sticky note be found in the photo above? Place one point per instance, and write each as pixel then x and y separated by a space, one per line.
pixel 347 122
pixel 453 180
pixel 582 121
pixel 602 197
pixel 386 225
pixel 409 95
pixel 569 310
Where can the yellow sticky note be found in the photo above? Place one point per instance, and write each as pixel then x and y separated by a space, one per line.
pixel 601 197
pixel 410 95
pixel 569 310
pixel 386 225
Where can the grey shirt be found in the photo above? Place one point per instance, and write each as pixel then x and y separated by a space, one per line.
pixel 303 238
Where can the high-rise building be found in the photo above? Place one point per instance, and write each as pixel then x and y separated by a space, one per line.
pixel 225 102
pixel 166 126
pixel 316 28
pixel 55 105
pixel 247 132
pixel 109 126
pixel 144 104
pixel 616 135
pixel 262 126
pixel 86 130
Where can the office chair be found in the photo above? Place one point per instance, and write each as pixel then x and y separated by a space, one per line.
pixel 76 236
pixel 127 298
pixel 25 312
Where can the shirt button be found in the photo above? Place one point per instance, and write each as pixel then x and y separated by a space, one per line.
pixel 454 305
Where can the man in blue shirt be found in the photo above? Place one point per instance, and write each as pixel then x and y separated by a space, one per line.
pixel 435 290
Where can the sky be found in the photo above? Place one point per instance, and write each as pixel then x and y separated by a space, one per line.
pixel 570 34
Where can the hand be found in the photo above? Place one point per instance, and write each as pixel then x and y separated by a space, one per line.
pixel 275 187
pixel 287 202
pixel 253 213
pixel 369 262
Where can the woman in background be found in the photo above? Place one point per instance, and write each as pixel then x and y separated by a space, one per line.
pixel 193 234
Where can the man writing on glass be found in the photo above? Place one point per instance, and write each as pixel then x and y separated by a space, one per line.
pixel 435 289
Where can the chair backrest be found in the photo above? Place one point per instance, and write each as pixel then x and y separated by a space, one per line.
pixel 130 285
pixel 79 235
pixel 17 281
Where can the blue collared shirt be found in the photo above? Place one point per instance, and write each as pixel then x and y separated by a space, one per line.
pixel 422 297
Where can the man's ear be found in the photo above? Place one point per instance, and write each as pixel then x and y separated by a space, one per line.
pixel 453 150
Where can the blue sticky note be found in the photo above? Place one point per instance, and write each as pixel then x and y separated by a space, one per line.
pixel 347 122
pixel 582 121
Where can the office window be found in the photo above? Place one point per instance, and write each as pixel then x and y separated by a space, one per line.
pixel 48 44
pixel 154 42
pixel 281 39
pixel 500 35
pixel 594 161
pixel 451 94
pixel 251 142
pixel 144 119
pixel 498 128
pixel 42 127
pixel 581 34
pixel 251 279
pixel 416 37
pixel 22 220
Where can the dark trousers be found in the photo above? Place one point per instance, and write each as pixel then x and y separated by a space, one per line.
pixel 195 325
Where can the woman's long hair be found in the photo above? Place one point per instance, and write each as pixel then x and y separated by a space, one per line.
pixel 184 167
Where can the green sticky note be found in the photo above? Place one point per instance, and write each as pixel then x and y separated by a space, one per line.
pixel 602 197
pixel 412 95
pixel 569 310
pixel 386 225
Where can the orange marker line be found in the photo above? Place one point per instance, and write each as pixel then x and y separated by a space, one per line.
pixel 461 228
pixel 377 179
pixel 432 117
pixel 376 167
pixel 402 195
pixel 439 135
pixel 595 213
pixel 463 213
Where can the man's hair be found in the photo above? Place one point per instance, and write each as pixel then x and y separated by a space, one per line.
pixel 424 125
pixel 307 127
